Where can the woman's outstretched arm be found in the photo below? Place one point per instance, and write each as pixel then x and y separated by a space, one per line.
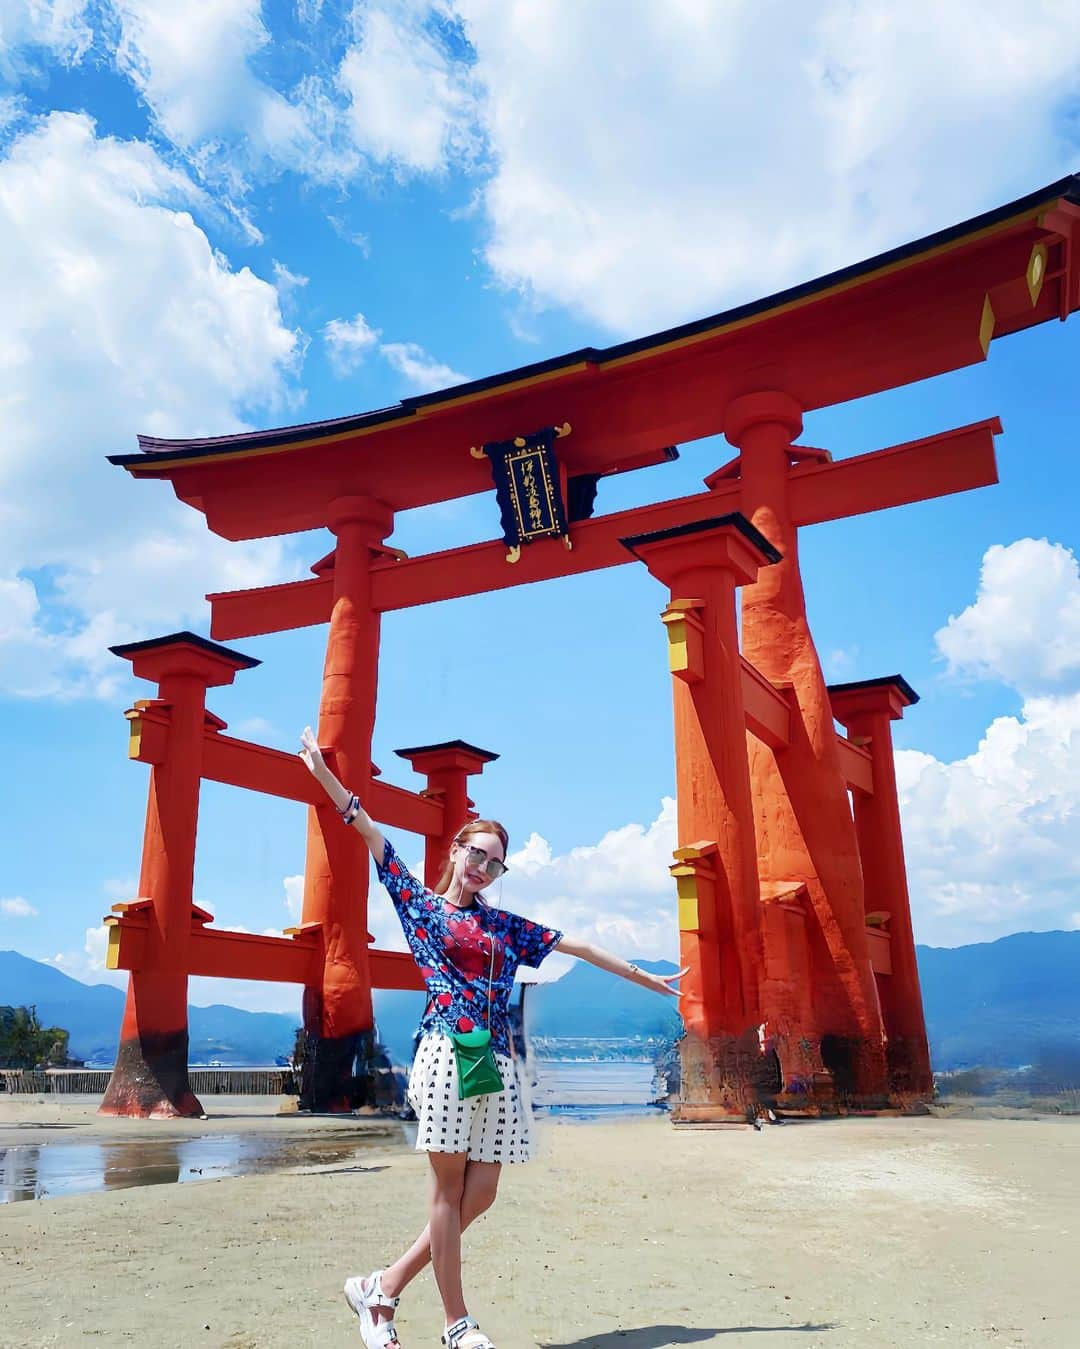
pixel 625 969
pixel 341 796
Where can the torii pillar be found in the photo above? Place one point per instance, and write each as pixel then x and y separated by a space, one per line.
pixel 338 1012
pixel 150 1076
pixel 805 831
pixel 447 767
pixel 866 709
pixel 715 869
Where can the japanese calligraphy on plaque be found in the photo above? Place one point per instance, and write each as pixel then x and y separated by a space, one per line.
pixel 526 473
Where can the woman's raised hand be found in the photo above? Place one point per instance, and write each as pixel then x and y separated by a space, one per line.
pixel 341 797
pixel 664 982
pixel 311 753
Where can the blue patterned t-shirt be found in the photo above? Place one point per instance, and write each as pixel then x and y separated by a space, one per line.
pixel 453 948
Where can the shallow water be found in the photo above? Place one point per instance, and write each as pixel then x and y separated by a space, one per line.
pixel 32 1172
pixel 564 1085
pixel 578 1091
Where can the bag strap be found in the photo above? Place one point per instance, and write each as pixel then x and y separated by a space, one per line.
pixel 491 980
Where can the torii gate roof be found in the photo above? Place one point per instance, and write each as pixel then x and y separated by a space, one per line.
pixel 916 311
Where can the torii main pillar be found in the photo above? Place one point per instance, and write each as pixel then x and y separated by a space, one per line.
pixel 805 832
pixel 338 1011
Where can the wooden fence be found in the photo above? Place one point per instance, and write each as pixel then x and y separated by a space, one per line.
pixel 204 1081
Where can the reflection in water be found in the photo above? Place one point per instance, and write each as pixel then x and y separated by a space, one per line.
pixel 124 1165
pixel 75 1168
pixel 18 1173
pixel 577 1090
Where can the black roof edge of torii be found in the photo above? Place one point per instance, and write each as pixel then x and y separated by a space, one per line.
pixel 1067 188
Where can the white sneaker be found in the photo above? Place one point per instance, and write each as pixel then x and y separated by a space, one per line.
pixel 364 1294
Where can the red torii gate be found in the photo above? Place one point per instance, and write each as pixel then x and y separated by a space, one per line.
pixel 793 906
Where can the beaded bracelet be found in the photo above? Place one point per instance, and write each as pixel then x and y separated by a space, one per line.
pixel 351 810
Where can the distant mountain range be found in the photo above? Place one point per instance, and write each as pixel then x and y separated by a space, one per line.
pixel 92 1012
pixel 587 1001
pixel 1001 1004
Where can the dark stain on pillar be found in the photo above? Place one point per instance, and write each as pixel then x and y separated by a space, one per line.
pixel 336 1077
pixel 150 1079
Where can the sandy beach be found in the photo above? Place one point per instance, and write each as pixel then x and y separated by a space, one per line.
pixel 891 1232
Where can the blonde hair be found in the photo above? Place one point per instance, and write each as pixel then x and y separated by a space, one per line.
pixel 468 831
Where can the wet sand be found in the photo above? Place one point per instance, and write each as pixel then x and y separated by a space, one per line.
pixel 54 1119
pixel 890 1232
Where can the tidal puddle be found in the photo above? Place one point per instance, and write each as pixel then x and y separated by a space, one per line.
pixel 595 1114
pixel 34 1172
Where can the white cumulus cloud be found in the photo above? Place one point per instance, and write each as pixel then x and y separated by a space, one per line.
pixel 192 64
pixel 88 964
pixel 411 101
pixel 294 897
pixel 17 907
pixel 384 88
pixel 991 838
pixel 636 164
pixel 29 28
pixel 1024 626
pixel 616 892
pixel 654 162
pixel 348 341
pixel 422 371
pixel 121 317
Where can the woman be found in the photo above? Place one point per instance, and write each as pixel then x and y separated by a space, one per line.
pixel 467 953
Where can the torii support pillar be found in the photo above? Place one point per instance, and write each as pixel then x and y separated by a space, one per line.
pixel 715 869
pixel 447 767
pixel 866 710
pixel 150 1077
pixel 338 1015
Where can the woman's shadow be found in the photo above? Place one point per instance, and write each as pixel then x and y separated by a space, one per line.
pixel 659 1337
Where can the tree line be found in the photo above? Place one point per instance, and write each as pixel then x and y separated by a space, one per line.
pixel 26 1043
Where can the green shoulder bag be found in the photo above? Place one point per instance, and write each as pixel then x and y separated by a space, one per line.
pixel 478 1073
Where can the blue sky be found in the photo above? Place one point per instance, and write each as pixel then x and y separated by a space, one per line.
pixel 242 214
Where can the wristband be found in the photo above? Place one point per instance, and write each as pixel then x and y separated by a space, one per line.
pixel 351 810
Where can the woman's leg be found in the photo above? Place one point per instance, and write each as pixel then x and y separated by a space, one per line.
pixel 444 1226
pixel 480 1185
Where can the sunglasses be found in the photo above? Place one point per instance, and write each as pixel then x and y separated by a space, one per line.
pixel 477 857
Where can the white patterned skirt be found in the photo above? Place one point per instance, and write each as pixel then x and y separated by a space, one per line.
pixel 492 1128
